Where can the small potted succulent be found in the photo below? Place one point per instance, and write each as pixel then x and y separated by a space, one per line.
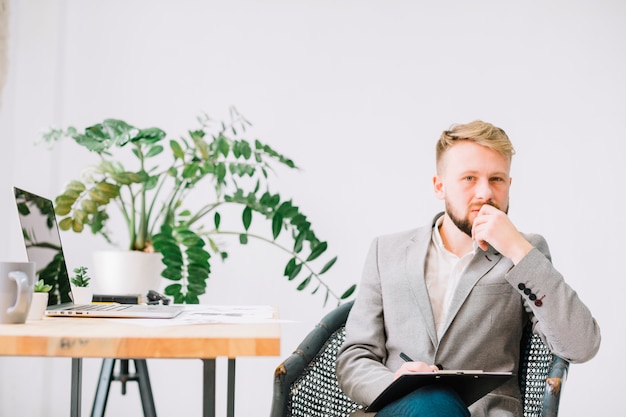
pixel 82 293
pixel 40 300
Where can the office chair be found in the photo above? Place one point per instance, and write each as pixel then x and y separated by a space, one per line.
pixel 305 384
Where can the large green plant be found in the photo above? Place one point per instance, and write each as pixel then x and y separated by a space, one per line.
pixel 215 163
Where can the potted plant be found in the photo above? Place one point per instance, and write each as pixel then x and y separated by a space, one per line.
pixel 40 300
pixel 81 291
pixel 214 161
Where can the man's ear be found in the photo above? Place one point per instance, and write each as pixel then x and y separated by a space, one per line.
pixel 439 187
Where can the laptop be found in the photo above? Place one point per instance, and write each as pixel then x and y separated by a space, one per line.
pixel 43 246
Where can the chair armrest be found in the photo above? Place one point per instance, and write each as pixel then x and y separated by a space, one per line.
pixel 554 385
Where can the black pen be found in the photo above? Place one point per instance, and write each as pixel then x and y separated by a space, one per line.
pixel 406 358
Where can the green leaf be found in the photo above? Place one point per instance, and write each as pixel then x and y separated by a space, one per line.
pixel 316 289
pixel 190 170
pixel 198 255
pixel 63 210
pixel 296 270
pixel 65 200
pixel 246 151
pixel 220 171
pixel 216 220
pixel 297 245
pixel 87 205
pixel 75 186
pixel 107 189
pixel 174 274
pixel 328 265
pixel 277 224
pixel 77 225
pixel 243 238
pixel 290 266
pixel 124 178
pixel 173 289
pixel 173 261
pixel 246 217
pixel 154 150
pixel 65 223
pixel 304 283
pixel 177 150
pixel 198 273
pixel 317 251
pixel 148 136
pixel 348 292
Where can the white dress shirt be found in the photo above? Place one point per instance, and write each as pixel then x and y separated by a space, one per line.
pixel 443 271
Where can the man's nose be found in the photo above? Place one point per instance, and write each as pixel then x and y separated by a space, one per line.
pixel 483 190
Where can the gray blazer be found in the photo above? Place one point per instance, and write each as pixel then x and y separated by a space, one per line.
pixel 392 314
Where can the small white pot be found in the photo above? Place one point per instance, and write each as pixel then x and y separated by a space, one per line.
pixel 126 272
pixel 82 295
pixel 38 306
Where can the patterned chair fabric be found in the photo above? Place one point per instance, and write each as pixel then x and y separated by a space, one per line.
pixel 305 384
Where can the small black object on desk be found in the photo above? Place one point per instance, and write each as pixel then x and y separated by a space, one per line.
pixel 155 297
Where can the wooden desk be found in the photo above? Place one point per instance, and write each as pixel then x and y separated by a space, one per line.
pixel 79 338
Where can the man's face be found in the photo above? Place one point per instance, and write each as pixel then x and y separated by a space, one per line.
pixel 470 175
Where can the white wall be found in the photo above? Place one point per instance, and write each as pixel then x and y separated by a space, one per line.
pixel 356 92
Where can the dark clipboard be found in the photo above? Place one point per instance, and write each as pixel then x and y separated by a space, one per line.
pixel 470 385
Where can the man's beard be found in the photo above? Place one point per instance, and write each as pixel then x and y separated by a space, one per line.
pixel 464 225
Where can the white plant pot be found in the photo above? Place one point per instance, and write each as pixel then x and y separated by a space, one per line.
pixel 38 306
pixel 82 295
pixel 126 272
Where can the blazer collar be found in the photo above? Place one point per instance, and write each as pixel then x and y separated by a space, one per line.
pixel 478 267
pixel 416 252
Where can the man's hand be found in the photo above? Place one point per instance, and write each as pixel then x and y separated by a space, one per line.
pixel 415 367
pixel 493 227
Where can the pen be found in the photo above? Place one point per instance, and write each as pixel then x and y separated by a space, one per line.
pixel 406 358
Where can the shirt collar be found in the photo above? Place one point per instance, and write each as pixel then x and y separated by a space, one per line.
pixel 439 241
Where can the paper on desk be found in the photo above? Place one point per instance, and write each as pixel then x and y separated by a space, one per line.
pixel 225 314
pixel 214 314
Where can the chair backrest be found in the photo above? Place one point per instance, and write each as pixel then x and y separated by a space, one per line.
pixel 305 384
pixel 542 375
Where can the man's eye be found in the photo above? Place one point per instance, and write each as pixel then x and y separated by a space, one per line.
pixel 469 178
pixel 497 179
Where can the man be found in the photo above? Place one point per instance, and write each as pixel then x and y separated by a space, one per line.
pixel 460 291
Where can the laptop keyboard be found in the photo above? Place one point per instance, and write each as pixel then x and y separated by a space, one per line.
pixel 100 307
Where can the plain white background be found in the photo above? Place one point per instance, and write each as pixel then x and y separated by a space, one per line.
pixel 356 93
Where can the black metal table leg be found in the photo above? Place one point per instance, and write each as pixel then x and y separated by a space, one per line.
pixel 208 388
pixel 107 375
pixel 102 390
pixel 77 379
pixel 230 405
pixel 145 389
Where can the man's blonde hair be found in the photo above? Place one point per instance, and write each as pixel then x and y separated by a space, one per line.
pixel 479 132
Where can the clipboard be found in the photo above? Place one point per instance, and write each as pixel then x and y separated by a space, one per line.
pixel 470 385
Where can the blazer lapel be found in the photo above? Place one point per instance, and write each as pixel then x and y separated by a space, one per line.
pixel 481 264
pixel 416 252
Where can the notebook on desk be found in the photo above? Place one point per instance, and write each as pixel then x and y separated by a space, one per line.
pixel 42 240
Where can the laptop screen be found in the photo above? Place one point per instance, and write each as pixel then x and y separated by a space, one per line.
pixel 43 243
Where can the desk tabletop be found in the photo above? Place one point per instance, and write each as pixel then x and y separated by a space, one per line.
pixel 111 338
